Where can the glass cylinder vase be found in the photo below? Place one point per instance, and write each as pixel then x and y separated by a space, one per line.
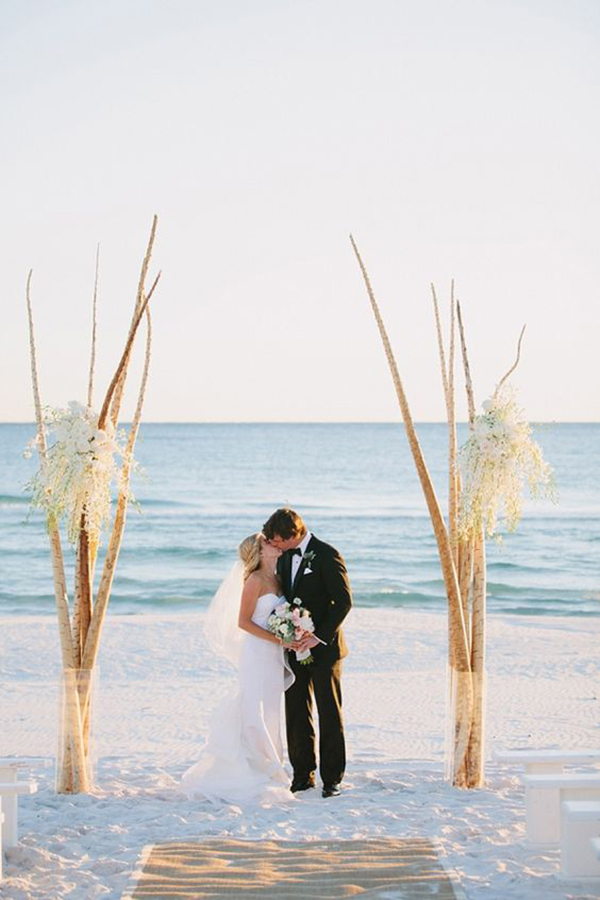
pixel 464 757
pixel 76 753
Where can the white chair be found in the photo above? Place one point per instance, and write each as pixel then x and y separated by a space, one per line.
pixel 580 824
pixel 9 771
pixel 9 794
pixel 8 765
pixel 543 797
pixel 547 762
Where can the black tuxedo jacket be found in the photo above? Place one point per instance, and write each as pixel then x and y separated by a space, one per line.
pixel 325 592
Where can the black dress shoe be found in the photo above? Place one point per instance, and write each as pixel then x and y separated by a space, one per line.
pixel 304 785
pixel 332 790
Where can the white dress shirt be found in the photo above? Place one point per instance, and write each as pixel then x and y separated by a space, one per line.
pixel 296 560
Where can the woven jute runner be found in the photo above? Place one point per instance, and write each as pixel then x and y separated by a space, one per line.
pixel 379 869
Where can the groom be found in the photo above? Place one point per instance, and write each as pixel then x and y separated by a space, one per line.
pixel 315 573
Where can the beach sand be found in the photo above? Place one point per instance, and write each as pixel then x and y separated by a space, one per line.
pixel 158 684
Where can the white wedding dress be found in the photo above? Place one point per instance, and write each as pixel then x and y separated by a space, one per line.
pixel 243 758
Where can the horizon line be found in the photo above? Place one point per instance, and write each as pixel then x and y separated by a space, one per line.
pixel 316 422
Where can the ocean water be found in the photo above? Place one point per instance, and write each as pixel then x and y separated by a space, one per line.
pixel 206 486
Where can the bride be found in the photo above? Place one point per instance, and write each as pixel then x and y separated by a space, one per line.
pixel 243 757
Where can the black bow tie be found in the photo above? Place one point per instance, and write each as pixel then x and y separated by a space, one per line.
pixel 296 552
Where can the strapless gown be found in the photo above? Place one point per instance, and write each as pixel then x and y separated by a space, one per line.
pixel 243 758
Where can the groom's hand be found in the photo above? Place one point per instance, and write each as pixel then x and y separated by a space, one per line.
pixel 307 642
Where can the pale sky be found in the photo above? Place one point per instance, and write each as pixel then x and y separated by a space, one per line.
pixel 453 139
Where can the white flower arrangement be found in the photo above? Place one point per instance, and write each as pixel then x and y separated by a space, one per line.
pixel 78 472
pixel 496 461
pixel 290 622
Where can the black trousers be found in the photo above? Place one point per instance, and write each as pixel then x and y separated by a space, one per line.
pixel 323 684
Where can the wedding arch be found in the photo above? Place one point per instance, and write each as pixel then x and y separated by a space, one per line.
pixel 77 472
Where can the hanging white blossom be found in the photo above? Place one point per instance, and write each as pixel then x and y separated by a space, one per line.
pixel 79 469
pixel 496 462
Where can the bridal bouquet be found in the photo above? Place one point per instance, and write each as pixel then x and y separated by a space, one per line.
pixel 290 621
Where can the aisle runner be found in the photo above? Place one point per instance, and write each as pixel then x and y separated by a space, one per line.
pixel 394 869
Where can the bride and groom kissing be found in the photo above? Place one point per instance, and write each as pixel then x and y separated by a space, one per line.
pixel 243 757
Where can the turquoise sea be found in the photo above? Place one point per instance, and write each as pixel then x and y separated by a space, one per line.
pixel 206 486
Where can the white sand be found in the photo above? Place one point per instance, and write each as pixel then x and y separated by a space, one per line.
pixel 158 685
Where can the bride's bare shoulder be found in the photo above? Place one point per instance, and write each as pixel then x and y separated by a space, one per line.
pixel 253 583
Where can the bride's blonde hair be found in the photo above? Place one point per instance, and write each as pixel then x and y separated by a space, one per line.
pixel 249 553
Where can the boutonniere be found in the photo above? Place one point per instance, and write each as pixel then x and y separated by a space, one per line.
pixel 308 558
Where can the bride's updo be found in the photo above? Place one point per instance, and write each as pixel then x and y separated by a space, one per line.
pixel 249 553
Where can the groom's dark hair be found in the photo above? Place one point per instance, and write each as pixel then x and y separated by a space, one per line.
pixel 284 522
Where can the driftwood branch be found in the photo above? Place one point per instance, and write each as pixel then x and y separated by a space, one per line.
pixel 466 546
pixel 58 567
pixel 94 632
pixel 458 635
pixel 453 487
pixel 39 417
pixel 514 365
pixel 124 358
pixel 84 564
pixel 144 270
pixel 139 300
pixel 447 368
pixel 438 328
pixel 475 753
pixel 94 324
pixel 467 371
pixel 473 591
